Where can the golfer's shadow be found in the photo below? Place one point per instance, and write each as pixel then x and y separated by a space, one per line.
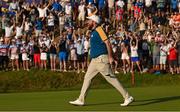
pixel 143 102
pixel 156 100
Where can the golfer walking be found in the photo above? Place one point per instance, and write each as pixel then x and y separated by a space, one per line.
pixel 101 55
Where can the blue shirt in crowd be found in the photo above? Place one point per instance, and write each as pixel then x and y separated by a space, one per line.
pixel 39 25
pixel 56 6
pixel 174 4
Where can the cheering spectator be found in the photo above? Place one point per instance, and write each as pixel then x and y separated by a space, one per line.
pixel 36 50
pixel 80 54
pixel 14 54
pixel 53 54
pixel 43 56
pixel 4 55
pixel 134 54
pixel 173 59
pixel 63 53
pixel 163 55
pixel 82 12
pixel 24 50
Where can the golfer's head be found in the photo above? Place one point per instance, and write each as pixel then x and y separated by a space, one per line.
pixel 92 21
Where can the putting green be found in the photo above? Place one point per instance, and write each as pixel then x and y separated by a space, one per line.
pixel 146 98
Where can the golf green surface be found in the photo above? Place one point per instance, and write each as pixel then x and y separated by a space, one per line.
pixel 158 98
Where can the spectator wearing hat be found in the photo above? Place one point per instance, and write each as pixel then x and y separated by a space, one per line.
pixel 80 53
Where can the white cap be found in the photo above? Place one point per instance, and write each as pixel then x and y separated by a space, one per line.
pixel 23 42
pixel 158 33
pixel 79 39
pixel 95 18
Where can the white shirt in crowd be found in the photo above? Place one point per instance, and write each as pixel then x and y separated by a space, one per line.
pixel 120 3
pixel 110 3
pixel 8 31
pixel 134 52
pixel 163 50
pixel 81 9
pixel 51 20
pixel 61 20
pixel 19 31
pixel 13 6
pixel 47 42
pixel 86 45
pixel 42 12
pixel 27 26
pixel 68 9
pixel 148 3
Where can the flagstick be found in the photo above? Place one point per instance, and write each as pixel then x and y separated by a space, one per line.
pixel 132 78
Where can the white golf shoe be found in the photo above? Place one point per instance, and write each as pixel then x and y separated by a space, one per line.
pixel 127 101
pixel 77 102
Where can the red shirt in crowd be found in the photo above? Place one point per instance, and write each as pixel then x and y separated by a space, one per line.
pixel 137 12
pixel 119 14
pixel 172 54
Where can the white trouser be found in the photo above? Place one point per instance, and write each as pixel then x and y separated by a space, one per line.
pixel 101 64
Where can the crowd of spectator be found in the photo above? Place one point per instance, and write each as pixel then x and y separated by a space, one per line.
pixel 53 34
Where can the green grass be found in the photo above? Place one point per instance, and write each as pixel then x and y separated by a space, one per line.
pixel 158 98
pixel 39 80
